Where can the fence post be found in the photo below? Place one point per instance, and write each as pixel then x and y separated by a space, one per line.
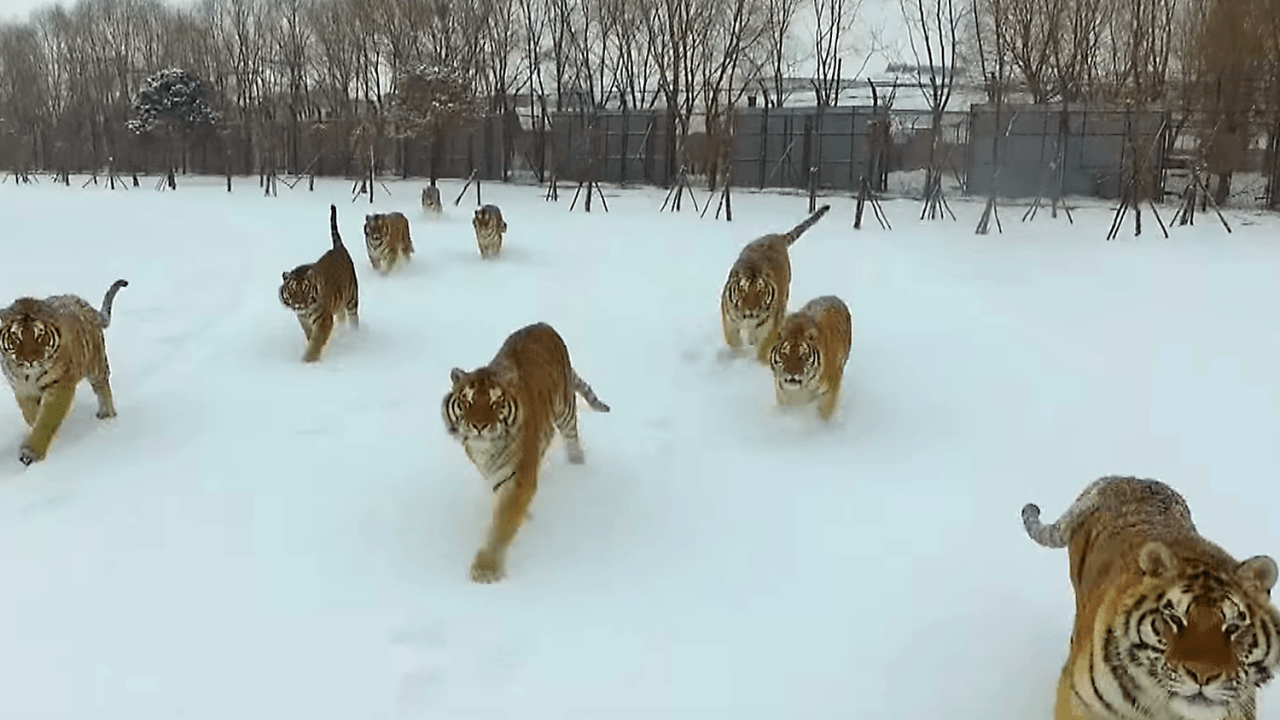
pixel 764 143
pixel 622 145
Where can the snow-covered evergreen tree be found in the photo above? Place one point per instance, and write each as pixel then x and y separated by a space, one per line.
pixel 430 99
pixel 173 98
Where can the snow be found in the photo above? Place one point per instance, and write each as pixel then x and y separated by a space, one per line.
pixel 257 538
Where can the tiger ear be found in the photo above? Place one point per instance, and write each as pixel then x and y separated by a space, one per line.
pixel 284 275
pixel 456 375
pixel 1258 573
pixel 1157 560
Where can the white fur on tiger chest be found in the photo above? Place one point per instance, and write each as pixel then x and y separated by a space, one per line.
pixel 752 332
pixel 494 457
pixel 24 380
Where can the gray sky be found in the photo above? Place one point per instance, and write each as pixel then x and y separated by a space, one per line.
pixel 20 10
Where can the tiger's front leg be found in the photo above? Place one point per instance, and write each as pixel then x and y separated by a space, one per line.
pixel 732 333
pixel 509 513
pixel 319 336
pixel 767 338
pixel 30 406
pixel 54 405
pixel 306 327
pixel 827 403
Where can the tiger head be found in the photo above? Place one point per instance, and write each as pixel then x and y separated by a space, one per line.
pixel 488 217
pixel 297 290
pixel 751 294
pixel 375 227
pixel 479 406
pixel 796 358
pixel 1201 636
pixel 28 336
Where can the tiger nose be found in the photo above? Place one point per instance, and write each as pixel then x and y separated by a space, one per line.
pixel 1203 675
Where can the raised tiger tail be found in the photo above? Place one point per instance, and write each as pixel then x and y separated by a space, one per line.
pixel 581 387
pixel 794 233
pixel 104 315
pixel 333 226
pixel 1058 534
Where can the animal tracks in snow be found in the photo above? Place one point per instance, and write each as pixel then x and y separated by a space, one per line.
pixel 444 667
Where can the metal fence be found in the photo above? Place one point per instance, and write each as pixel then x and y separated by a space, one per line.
pixel 1016 151
pixel 1075 150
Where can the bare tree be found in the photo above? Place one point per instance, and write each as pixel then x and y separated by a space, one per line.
pixel 1027 31
pixel 933 34
pixel 775 50
pixel 1231 66
pixel 1136 57
pixel 832 23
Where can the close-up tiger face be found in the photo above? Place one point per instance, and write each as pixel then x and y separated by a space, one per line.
pixel 752 296
pixel 28 340
pixel 297 291
pixel 1198 636
pixel 796 359
pixel 478 406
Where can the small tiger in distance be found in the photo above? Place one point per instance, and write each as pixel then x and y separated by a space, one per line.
pixel 431 199
pixel 809 356
pixel 48 347
pixel 322 291
pixel 489 227
pixel 386 238
pixel 505 414
pixel 754 299
pixel 1168 625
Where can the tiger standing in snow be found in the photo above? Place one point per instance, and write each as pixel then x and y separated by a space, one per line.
pixel 323 291
pixel 754 299
pixel 489 227
pixel 386 239
pixel 809 356
pixel 505 415
pixel 1168 625
pixel 48 347
pixel 431 199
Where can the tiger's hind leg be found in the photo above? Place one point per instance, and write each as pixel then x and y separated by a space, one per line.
pixel 100 383
pixel 566 421
pixel 54 405
pixel 353 307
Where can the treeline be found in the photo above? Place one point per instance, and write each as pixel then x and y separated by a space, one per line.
pixel 276 69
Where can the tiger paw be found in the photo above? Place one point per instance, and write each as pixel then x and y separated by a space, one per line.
pixel 27 455
pixel 487 569
pixel 103 414
pixel 575 454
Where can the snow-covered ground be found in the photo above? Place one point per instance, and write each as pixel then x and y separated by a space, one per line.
pixel 258 539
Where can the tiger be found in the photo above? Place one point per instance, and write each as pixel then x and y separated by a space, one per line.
pixel 489 227
pixel 386 238
pixel 810 353
pixel 505 414
pixel 48 346
pixel 431 199
pixel 323 291
pixel 754 299
pixel 1167 625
